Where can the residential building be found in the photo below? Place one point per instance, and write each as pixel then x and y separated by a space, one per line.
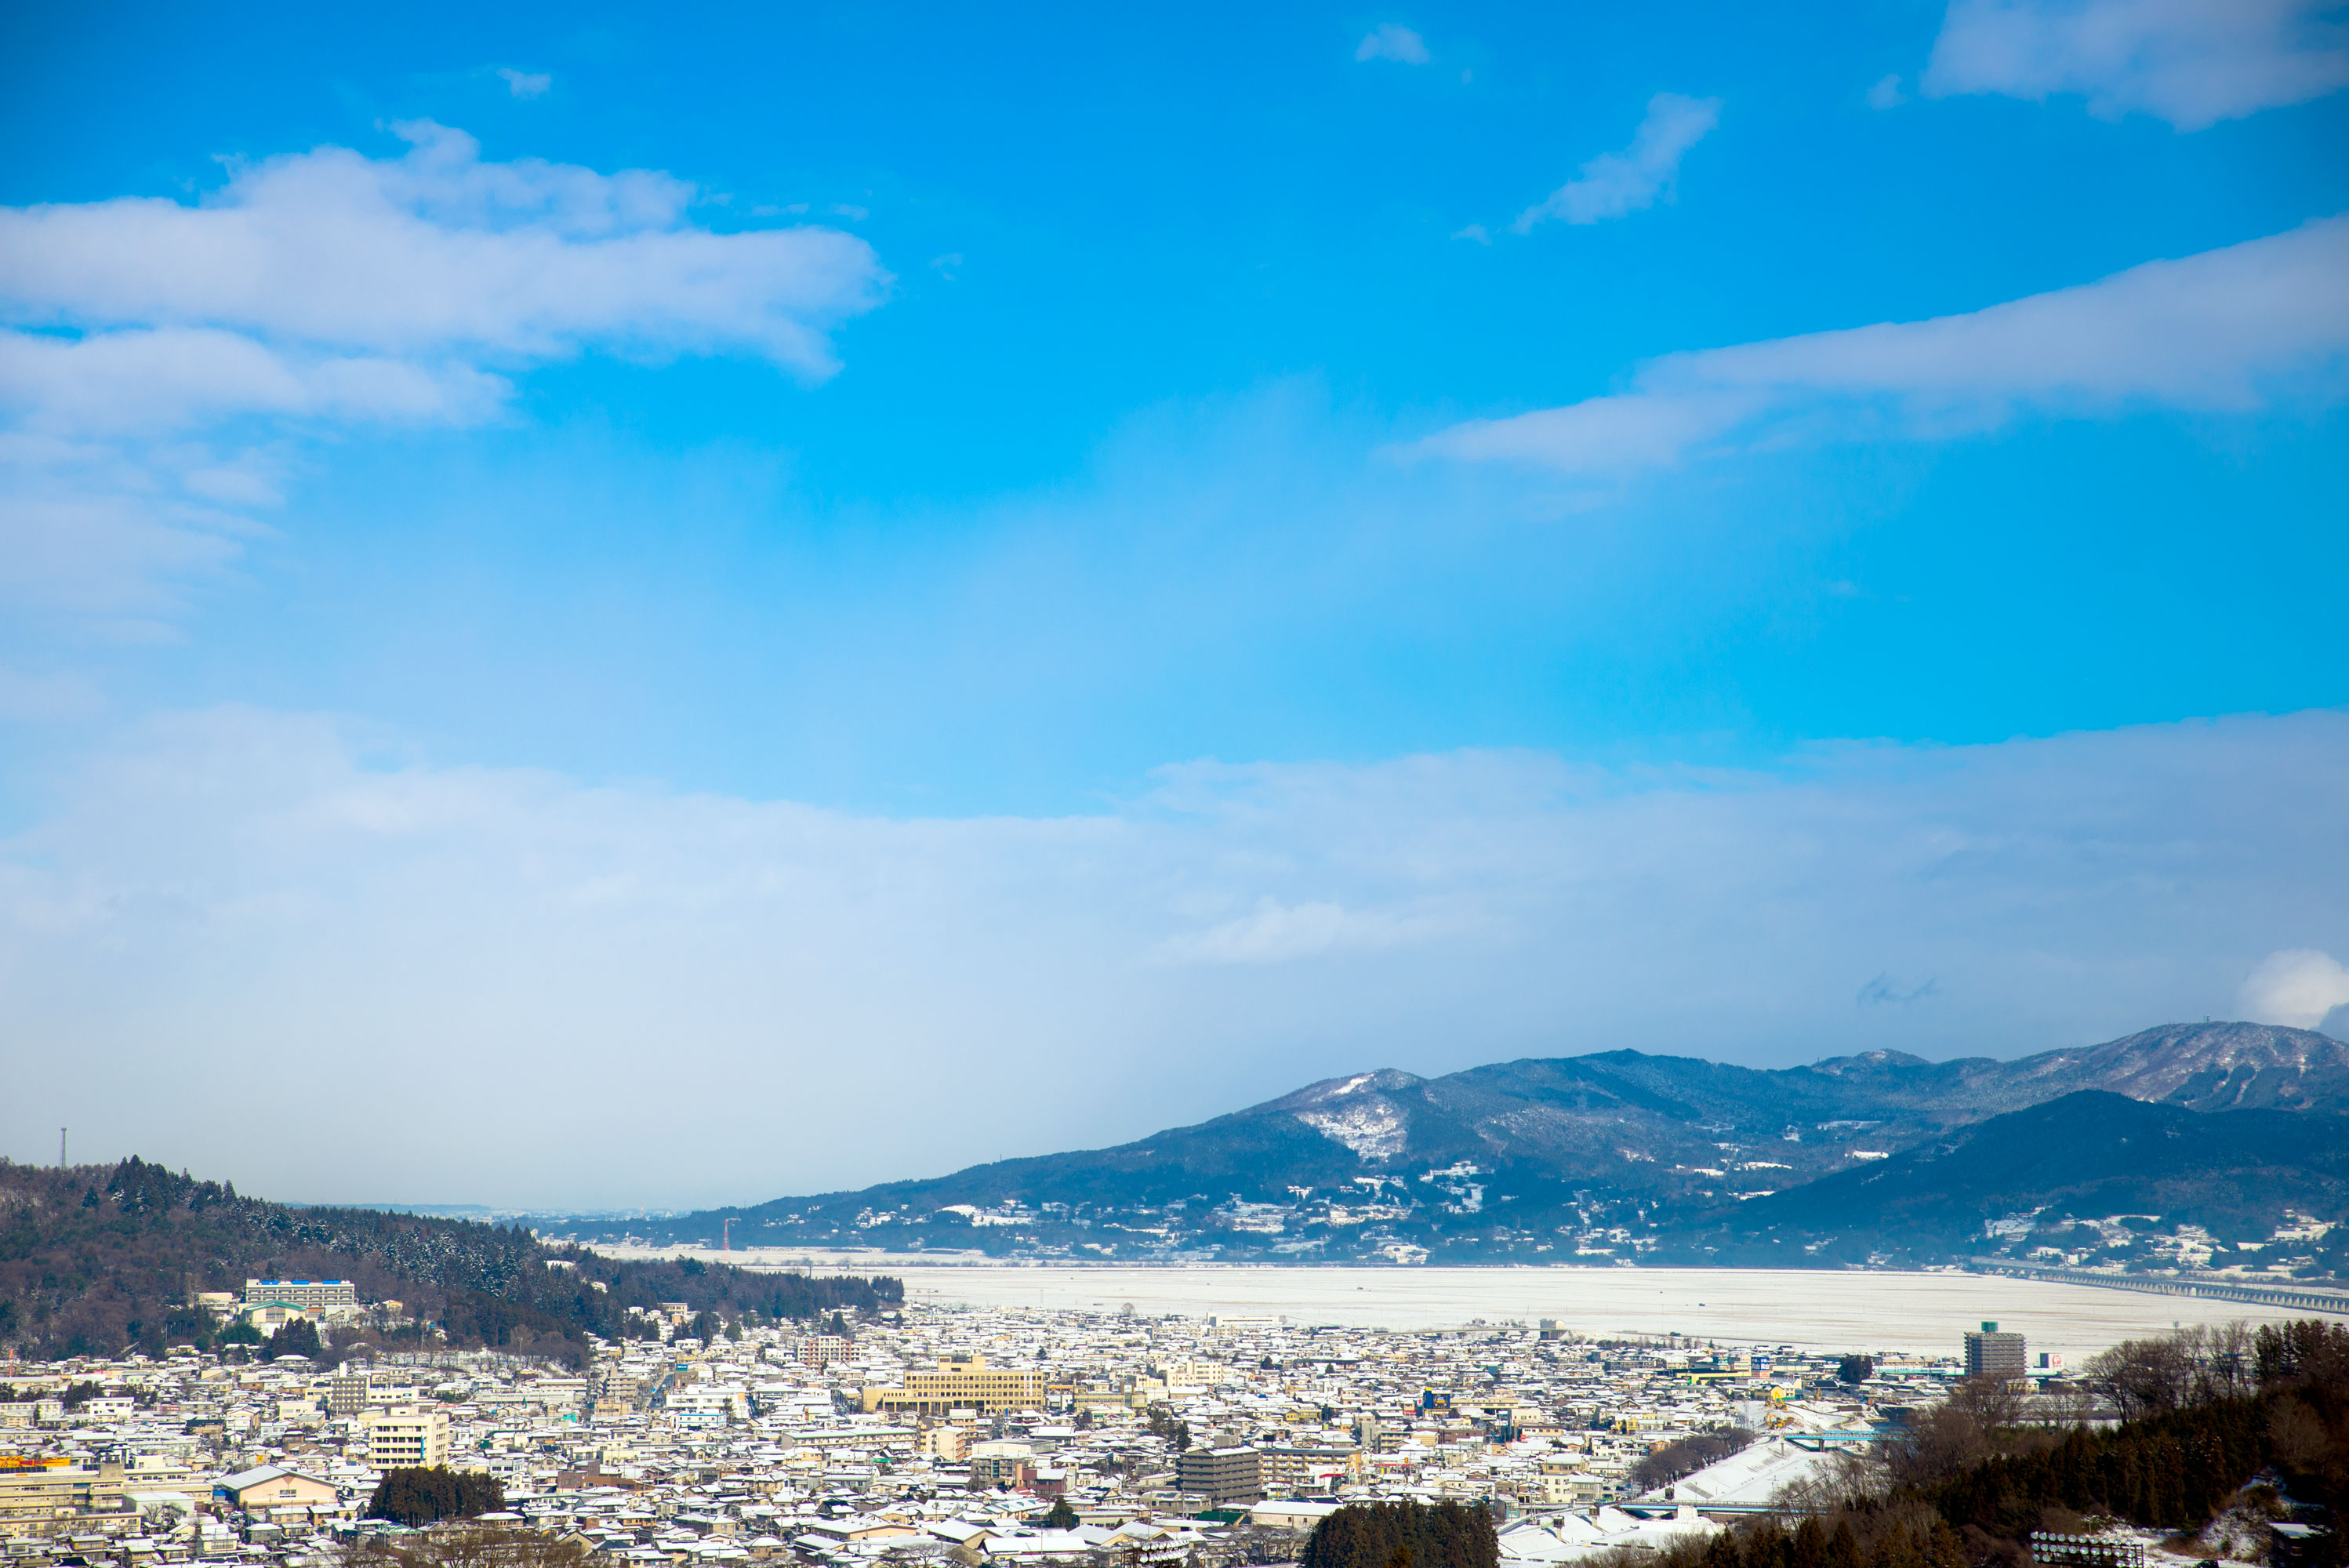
pixel 821 1350
pixel 347 1393
pixel 1991 1354
pixel 406 1435
pixel 1222 1476
pixel 1011 1464
pixel 1230 1326
pixel 1289 1468
pixel 310 1295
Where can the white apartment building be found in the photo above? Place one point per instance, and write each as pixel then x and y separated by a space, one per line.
pixel 729 1399
pixel 309 1295
pixel 406 1435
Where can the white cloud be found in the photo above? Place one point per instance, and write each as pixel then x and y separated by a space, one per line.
pixel 526 84
pixel 145 379
pixel 2190 62
pixel 1615 183
pixel 2297 986
pixel 330 289
pixel 673 973
pixel 2226 330
pixel 1388 41
pixel 438 253
pixel 1887 93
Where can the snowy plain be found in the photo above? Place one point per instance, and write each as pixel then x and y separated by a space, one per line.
pixel 1808 1309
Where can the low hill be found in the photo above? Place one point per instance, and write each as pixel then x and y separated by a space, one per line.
pixel 97 1259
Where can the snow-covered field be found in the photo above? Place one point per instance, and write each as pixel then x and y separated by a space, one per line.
pixel 1847 1310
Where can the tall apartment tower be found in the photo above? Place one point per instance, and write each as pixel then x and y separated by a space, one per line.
pixel 1989 1354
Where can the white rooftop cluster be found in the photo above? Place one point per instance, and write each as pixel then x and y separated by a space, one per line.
pixel 1144 1440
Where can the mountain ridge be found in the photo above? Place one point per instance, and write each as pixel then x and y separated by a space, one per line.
pixel 1519 1158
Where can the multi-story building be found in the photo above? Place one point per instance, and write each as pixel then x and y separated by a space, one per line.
pixel 1222 1476
pixel 308 1294
pixel 52 1496
pixel 961 1383
pixel 728 1400
pixel 347 1393
pixel 1002 1463
pixel 1229 1325
pixel 406 1435
pixel 1289 1468
pixel 1188 1375
pixel 1991 1354
pixel 821 1350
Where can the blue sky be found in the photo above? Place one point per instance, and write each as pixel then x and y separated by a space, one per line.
pixel 1050 468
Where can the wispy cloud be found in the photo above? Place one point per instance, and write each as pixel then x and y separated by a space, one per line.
pixel 1615 183
pixel 1392 41
pixel 2190 62
pixel 2228 329
pixel 269 883
pixel 332 290
pixel 1275 932
pixel 526 84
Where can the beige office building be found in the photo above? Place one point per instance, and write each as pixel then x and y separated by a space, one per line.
pixel 406 1435
pixel 962 1383
pixel 41 1497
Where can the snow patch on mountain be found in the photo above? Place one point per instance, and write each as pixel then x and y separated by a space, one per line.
pixel 1374 1128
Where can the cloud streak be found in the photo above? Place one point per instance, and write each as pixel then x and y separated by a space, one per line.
pixel 2227 330
pixel 1616 183
pixel 2193 63
pixel 680 974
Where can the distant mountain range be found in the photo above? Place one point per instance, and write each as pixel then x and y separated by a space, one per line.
pixel 2231 1129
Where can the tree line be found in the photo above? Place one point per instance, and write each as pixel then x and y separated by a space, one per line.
pixel 1403 1535
pixel 418 1495
pixel 1666 1465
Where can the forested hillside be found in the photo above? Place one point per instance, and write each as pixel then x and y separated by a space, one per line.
pixel 95 1259
pixel 2224 1431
